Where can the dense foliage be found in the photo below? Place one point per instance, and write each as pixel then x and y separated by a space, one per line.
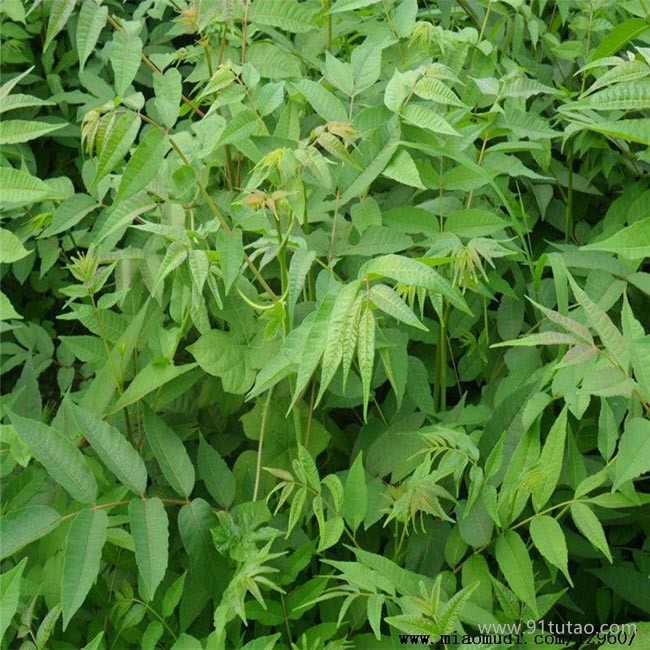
pixel 322 322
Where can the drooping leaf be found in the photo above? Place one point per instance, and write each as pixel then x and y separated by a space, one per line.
pixel 9 594
pixel 60 12
pixel 60 457
pixel 215 473
pixel 550 461
pixel 113 449
pixel 633 458
pixel 85 540
pixel 25 525
pixel 589 525
pixel 549 540
pixel 355 495
pixel 169 452
pixel 91 21
pixel 149 528
pixel 125 52
pixel 514 562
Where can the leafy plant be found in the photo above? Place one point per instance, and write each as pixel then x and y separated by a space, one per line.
pixel 323 321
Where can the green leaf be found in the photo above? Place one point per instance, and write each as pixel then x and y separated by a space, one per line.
pixel 549 540
pixel 215 473
pixel 91 21
pixel 550 461
pixel 19 188
pixel 428 119
pixel 371 169
pixel 85 541
pixel 348 5
pixel 11 248
pixel 326 104
pixel 514 562
pixel 112 448
pixel 150 378
pixel 19 100
pixel 144 165
pixel 223 355
pixel 402 169
pixel 169 91
pixel 301 263
pixel 366 353
pixel 150 531
pixel 618 37
pixel 24 526
pixel 288 15
pixel 413 273
pixel 632 242
pixel 231 251
pixel 15 131
pixel 60 12
pixel 70 213
pixel 632 96
pixel 633 458
pixel 170 453
pixel 60 457
pixel 474 223
pixel 355 495
pixel 607 430
pixel 117 143
pixel 629 584
pixel 9 594
pixel 588 524
pixel 239 127
pixel 125 59
pixel 389 302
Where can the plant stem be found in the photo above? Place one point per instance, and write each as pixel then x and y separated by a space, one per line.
pixel 260 446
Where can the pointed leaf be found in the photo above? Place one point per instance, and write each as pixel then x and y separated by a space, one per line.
pixel 125 59
pixel 60 457
pixel 91 21
pixel 355 495
pixel 24 526
pixel 60 12
pixel 633 458
pixel 588 524
pixel 113 449
pixel 170 453
pixel 86 538
pixel 215 473
pixel 9 594
pixel 514 562
pixel 549 540
pixel 150 531
pixel 550 461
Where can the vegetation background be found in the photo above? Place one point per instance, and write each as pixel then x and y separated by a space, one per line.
pixel 323 321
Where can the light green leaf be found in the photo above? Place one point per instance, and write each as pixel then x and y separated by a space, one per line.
pixel 60 12
pixel 632 242
pixel 348 5
pixel 150 378
pixel 117 143
pixel 402 169
pixel 15 131
pixel 113 449
pixel 85 540
pixel 514 562
pixel 300 264
pixel 474 223
pixel 355 495
pixel 389 302
pixel 550 461
pixel 60 457
pixel 607 430
pixel 170 453
pixel 19 100
pixel 366 65
pixel 231 251
pixel 91 21
pixel 549 540
pixel 70 213
pixel 9 594
pixel 633 458
pixel 24 526
pixel 426 118
pixel 588 524
pixel 619 36
pixel 413 273
pixel 366 353
pixel 325 103
pixel 625 96
pixel 223 355
pixel 144 165
pixel 371 169
pixel 11 248
pixel 169 90
pixel 288 15
pixel 215 473
pixel 18 188
pixel 239 127
pixel 125 59
pixel 150 531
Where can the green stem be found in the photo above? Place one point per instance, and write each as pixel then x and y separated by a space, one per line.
pixel 260 445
